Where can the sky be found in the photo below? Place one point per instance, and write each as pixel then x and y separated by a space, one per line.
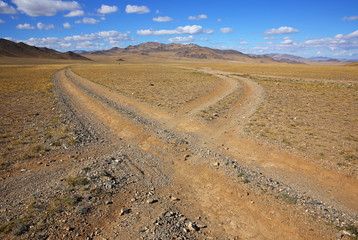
pixel 307 28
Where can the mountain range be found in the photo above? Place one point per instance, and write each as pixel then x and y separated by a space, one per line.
pixel 177 51
pixel 159 51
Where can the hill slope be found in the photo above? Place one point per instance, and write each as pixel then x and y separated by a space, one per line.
pixel 22 50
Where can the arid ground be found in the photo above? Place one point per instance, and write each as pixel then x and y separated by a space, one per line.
pixel 177 149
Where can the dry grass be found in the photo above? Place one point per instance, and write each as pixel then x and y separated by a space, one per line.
pixel 164 86
pixel 30 121
pixel 317 118
pixel 290 71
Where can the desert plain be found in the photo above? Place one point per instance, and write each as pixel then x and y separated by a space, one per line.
pixel 146 146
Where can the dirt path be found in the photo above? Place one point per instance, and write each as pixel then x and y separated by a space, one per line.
pixel 229 210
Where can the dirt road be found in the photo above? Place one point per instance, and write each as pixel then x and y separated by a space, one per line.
pixel 240 188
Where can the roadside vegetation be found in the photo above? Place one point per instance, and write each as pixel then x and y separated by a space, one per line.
pixel 31 124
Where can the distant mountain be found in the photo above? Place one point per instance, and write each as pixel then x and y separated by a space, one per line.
pixel 22 50
pixel 295 59
pixel 177 51
pixel 109 52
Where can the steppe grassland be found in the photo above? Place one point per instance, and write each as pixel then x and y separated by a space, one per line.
pixel 312 109
pixel 166 86
pixel 30 121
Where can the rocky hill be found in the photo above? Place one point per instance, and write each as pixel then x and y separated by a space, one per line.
pixel 22 50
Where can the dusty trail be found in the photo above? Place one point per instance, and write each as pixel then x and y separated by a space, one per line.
pixel 339 190
pixel 210 191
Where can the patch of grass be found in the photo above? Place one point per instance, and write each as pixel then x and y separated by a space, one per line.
pixel 76 181
pixel 246 180
pixel 287 198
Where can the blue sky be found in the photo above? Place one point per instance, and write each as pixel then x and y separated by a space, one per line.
pixel 304 28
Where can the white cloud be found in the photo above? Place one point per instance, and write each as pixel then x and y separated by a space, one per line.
pixel 107 35
pixel 281 30
pixel 340 43
pixel 75 13
pixel 6 8
pixel 42 26
pixel 88 45
pixel 162 19
pixel 182 39
pixel 208 31
pixel 193 30
pixel 67 25
pixel 269 38
pixel 97 40
pixel 197 18
pixel 158 12
pixel 244 43
pixel 88 20
pixel 78 21
pixel 137 9
pixel 105 9
pixel 25 26
pixel 45 7
pixel 350 18
pixel 226 30
pixel 2 21
pixel 219 20
pixel 287 41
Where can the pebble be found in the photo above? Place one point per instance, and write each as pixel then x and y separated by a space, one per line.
pixel 151 200
pixel 193 227
pixel 174 199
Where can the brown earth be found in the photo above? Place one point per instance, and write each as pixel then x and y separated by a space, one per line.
pixel 167 169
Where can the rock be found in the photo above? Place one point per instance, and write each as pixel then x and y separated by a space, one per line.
pixel 201 225
pixel 124 211
pixel 151 200
pixel 193 227
pixel 151 84
pixel 174 199
pixel 338 235
pixel 346 233
pixel 108 202
pixel 23 170
pixel 215 115
pixel 216 164
pixel 186 156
